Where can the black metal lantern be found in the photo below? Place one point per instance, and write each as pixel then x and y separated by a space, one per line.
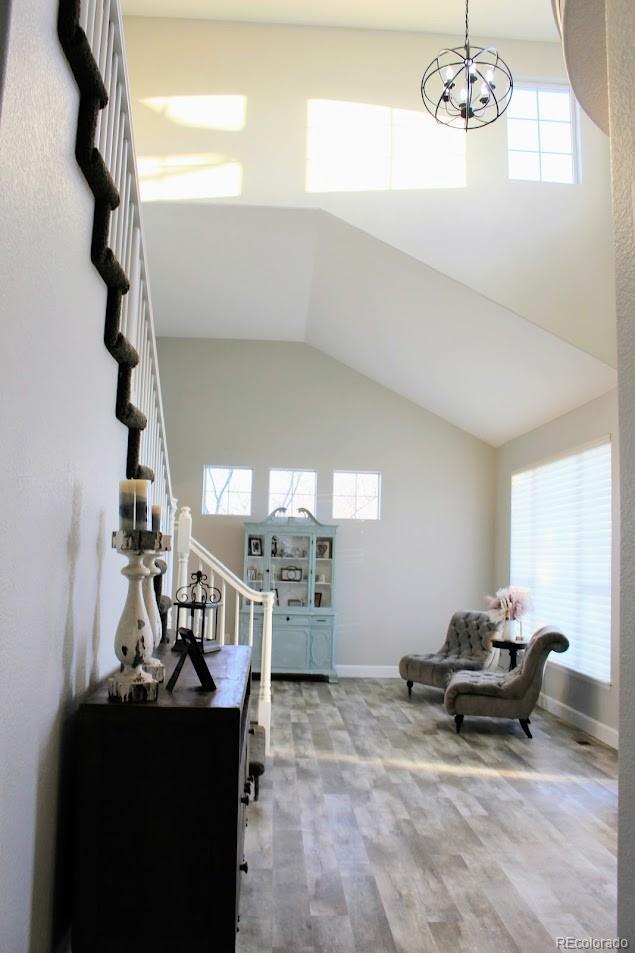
pixel 467 87
pixel 199 599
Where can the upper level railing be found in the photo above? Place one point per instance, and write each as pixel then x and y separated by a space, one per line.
pixel 113 139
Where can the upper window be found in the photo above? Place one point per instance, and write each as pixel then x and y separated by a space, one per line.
pixel 561 552
pixel 293 490
pixel 363 147
pixel 227 491
pixel 541 135
pixel 356 496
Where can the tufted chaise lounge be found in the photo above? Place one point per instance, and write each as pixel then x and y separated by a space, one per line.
pixel 467 646
pixel 505 694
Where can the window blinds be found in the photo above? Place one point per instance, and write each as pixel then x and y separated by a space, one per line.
pixel 561 552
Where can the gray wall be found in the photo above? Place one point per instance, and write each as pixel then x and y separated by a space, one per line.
pixel 620 21
pixel 278 404
pixel 596 703
pixel 62 454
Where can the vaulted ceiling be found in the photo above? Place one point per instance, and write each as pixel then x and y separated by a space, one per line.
pixel 485 300
pixel 303 275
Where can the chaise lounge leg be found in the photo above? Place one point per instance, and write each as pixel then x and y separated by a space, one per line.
pixel 458 721
pixel 409 687
pixel 524 724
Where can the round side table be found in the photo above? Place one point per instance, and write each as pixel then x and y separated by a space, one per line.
pixel 512 647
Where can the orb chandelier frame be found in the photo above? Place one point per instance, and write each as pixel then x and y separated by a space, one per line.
pixel 467 87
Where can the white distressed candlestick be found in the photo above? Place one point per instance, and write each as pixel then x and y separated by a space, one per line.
pixel 133 640
pixel 152 665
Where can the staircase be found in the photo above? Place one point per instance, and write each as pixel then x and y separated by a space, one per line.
pixel 91 35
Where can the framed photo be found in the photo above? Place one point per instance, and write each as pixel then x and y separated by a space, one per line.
pixel 294 603
pixel 251 574
pixel 317 599
pixel 323 548
pixel 277 599
pixel 255 545
pixel 290 574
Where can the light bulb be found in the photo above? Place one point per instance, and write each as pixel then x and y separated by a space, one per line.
pixel 449 73
pixel 463 95
pixel 490 75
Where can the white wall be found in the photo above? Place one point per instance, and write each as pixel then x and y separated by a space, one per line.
pixel 264 404
pixel 62 454
pixel 542 250
pixel 590 704
pixel 620 33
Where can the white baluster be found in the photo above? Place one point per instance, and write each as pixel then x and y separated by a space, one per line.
pixel 183 537
pixel 223 607
pixel 103 46
pixel 264 697
pixel 236 618
pixel 113 118
pixel 251 623
pixel 95 44
pixel 90 22
pixel 83 15
pixel 133 302
pixel 106 71
pixel 169 587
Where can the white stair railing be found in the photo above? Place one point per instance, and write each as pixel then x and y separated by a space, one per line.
pixel 102 23
pixel 191 557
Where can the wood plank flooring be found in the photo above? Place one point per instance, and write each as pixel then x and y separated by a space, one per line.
pixel 379 830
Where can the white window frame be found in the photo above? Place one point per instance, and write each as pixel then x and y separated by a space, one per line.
pixel 574 113
pixel 557 660
pixel 293 470
pixel 220 466
pixel 356 473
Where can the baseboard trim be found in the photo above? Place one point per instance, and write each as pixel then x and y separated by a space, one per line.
pixel 367 671
pixel 597 729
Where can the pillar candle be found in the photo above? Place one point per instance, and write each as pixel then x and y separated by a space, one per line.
pixel 126 504
pixel 156 518
pixel 142 493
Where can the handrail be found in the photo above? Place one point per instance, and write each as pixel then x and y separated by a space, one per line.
pixel 254 595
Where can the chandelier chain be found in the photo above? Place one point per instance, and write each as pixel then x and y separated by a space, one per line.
pixel 467 25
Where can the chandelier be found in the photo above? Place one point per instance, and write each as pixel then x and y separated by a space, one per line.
pixel 467 87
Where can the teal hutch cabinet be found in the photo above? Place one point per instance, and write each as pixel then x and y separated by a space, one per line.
pixel 293 556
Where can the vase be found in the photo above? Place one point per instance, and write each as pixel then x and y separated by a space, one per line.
pixel 509 631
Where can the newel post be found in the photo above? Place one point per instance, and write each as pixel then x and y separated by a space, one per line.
pixel 183 539
pixel 264 698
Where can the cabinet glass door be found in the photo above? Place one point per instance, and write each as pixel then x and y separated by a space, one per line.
pixel 290 569
pixel 323 595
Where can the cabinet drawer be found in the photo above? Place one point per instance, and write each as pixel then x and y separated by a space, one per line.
pixel 284 621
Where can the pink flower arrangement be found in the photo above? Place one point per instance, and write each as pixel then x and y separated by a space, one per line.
pixel 508 604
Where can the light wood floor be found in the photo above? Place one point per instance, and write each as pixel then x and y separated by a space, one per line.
pixel 379 830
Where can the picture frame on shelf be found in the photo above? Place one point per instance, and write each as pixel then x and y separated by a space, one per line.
pixel 324 548
pixel 251 574
pixel 277 598
pixel 290 574
pixel 317 599
pixel 255 545
pixel 294 603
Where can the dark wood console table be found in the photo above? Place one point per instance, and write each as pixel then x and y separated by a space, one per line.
pixel 161 799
